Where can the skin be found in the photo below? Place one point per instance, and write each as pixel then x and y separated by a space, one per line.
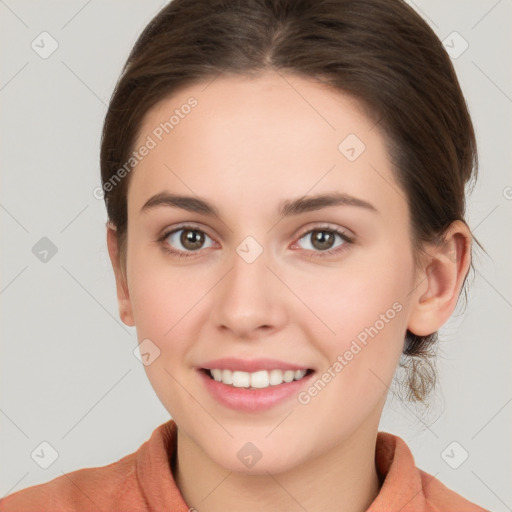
pixel 248 145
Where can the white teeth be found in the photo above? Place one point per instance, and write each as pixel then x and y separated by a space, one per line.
pixel 258 380
pixel 276 377
pixel 288 375
pixel 299 374
pixel 241 379
pixel 227 376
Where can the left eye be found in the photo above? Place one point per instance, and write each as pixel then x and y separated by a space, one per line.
pixel 322 239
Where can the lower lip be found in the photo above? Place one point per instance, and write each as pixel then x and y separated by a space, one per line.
pixel 252 400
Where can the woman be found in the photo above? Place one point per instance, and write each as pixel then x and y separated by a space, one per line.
pixel 284 182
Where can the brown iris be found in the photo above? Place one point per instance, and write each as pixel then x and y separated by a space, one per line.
pixel 192 239
pixel 322 239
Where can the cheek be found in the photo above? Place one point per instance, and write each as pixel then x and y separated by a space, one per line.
pixel 168 303
pixel 367 312
pixel 159 294
pixel 358 299
pixel 366 305
pixel 163 299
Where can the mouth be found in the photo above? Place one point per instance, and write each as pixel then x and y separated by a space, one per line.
pixel 260 379
pixel 253 385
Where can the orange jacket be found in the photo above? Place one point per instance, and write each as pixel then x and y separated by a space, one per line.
pixel 143 482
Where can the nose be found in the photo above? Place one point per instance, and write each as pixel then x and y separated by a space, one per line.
pixel 250 300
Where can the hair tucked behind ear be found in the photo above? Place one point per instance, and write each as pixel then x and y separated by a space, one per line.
pixel 379 51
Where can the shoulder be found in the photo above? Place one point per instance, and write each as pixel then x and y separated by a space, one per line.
pixel 406 487
pixel 438 497
pixel 140 481
pixel 95 488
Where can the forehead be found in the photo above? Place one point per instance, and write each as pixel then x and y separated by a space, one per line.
pixel 252 140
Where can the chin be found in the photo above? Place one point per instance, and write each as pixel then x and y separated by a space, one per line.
pixel 250 460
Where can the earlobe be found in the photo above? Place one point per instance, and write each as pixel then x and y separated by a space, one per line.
pixel 123 295
pixel 441 280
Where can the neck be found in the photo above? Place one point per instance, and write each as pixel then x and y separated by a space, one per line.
pixel 344 478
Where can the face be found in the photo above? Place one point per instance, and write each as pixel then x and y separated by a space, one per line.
pixel 270 279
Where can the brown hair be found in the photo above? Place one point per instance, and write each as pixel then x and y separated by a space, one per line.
pixel 379 51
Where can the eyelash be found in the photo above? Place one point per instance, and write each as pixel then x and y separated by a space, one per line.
pixel 190 254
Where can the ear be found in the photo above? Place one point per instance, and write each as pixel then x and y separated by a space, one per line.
pixel 123 296
pixel 440 280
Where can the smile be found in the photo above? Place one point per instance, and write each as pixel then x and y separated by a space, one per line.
pixel 256 380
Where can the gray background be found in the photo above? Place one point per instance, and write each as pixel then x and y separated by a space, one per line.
pixel 68 375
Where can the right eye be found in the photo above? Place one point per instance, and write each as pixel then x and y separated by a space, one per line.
pixel 190 238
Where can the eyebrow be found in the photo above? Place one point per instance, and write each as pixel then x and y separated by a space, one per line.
pixel 286 208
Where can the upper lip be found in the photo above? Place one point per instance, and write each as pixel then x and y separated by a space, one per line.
pixel 250 365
